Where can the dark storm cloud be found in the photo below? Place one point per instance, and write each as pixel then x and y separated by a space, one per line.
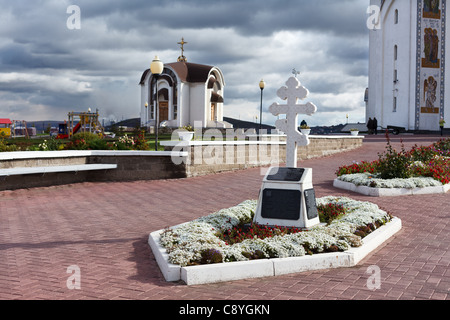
pixel 246 16
pixel 118 39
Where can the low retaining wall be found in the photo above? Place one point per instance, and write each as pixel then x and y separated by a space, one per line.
pixel 206 157
pixel 322 146
pixel 180 160
pixel 131 166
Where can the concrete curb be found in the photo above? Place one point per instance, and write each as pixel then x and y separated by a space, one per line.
pixel 389 192
pixel 222 272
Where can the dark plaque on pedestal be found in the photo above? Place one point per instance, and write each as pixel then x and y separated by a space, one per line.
pixel 287 198
pixel 281 204
pixel 285 174
pixel 310 200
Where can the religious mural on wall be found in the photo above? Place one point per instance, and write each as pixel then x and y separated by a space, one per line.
pixel 431 61
pixel 431 49
pixel 429 96
pixel 431 9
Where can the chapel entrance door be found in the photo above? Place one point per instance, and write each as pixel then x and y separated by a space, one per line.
pixel 163 111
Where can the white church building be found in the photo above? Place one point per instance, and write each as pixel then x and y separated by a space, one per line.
pixel 409 77
pixel 187 93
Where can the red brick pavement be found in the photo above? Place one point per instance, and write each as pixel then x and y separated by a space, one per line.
pixel 103 229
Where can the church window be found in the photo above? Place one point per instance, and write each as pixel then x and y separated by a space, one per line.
pixel 175 112
pixel 394 109
pixel 395 52
pixel 396 17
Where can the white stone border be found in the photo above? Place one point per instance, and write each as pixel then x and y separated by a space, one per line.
pixel 221 272
pixel 28 155
pixel 193 143
pixel 389 192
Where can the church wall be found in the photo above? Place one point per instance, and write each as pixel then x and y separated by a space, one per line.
pixel 377 99
pixel 219 111
pixel 198 103
pixel 143 100
pixel 183 107
pixel 447 74
pixel 396 105
pixel 375 60
pixel 404 39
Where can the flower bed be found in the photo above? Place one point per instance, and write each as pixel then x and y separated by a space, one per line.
pixel 420 167
pixel 372 180
pixel 80 141
pixel 204 241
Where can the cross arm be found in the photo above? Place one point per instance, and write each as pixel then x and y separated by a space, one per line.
pixel 277 109
pixel 308 109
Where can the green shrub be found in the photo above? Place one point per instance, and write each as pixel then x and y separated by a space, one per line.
pixel 84 141
pixel 50 145
pixel 393 164
pixel 4 145
pixel 99 144
pixel 86 136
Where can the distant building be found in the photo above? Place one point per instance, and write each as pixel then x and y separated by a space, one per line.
pixel 409 79
pixel 187 92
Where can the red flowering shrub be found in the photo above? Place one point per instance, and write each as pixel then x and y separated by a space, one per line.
pixel 77 144
pixel 433 161
pixel 330 211
pixel 140 143
pixel 251 231
pixel 438 169
pixel 443 146
pixel 358 168
pixel 424 154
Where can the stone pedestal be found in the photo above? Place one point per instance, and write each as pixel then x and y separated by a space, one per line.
pixel 287 198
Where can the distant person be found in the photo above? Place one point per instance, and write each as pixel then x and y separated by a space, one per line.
pixel 370 125
pixel 375 126
pixel 441 125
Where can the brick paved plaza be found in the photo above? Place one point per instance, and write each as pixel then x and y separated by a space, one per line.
pixel 103 229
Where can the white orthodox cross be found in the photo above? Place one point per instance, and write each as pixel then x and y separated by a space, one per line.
pixel 289 126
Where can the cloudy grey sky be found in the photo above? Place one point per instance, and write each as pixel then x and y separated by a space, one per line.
pixel 48 70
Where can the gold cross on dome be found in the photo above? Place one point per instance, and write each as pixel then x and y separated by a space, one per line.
pixel 182 57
